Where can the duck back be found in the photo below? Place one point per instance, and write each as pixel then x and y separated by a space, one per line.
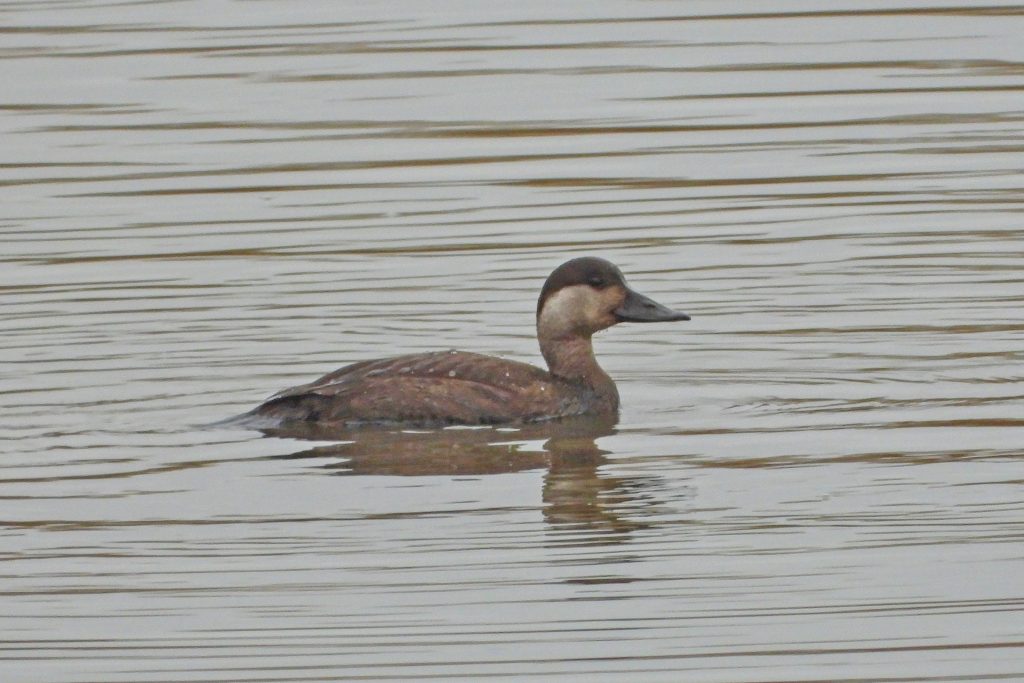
pixel 439 388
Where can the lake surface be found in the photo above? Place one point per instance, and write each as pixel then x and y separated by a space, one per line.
pixel 818 478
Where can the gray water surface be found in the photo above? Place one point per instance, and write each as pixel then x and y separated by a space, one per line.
pixel 818 478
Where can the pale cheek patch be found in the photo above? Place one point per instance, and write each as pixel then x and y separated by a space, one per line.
pixel 576 309
pixel 560 313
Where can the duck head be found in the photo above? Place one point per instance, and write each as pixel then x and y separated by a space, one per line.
pixel 587 295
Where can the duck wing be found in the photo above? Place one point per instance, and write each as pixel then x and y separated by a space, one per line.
pixel 446 387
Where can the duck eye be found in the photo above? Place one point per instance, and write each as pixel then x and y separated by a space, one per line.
pixel 596 281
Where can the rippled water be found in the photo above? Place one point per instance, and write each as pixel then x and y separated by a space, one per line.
pixel 817 479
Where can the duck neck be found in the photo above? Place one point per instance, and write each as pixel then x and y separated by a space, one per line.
pixel 572 358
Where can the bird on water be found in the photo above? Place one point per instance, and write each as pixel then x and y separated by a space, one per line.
pixel 580 297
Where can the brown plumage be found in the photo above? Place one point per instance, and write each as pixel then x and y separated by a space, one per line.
pixel 444 387
pixel 580 297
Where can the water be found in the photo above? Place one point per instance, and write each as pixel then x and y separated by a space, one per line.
pixel 816 479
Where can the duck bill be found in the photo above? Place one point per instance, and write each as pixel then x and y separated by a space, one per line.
pixel 637 308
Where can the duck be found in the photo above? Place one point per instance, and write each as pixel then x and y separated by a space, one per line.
pixel 581 297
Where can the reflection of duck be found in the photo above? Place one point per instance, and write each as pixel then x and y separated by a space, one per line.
pixel 380 451
pixel 576 493
pixel 581 297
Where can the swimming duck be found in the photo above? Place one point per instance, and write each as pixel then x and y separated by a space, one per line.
pixel 581 297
